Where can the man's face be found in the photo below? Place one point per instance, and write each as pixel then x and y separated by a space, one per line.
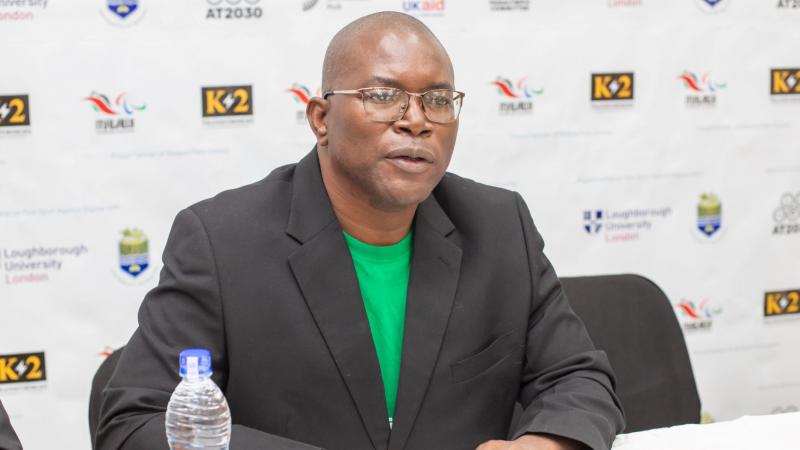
pixel 395 165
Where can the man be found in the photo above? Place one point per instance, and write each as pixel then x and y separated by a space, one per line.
pixel 364 299
pixel 8 438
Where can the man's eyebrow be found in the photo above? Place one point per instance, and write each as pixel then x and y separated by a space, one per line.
pixel 391 82
pixel 440 85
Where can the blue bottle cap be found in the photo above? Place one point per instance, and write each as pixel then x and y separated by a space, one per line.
pixel 195 361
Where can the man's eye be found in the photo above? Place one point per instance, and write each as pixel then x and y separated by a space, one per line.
pixel 382 96
pixel 440 101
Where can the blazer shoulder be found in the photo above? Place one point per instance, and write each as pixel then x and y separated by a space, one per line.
pixel 478 210
pixel 272 191
pixel 458 193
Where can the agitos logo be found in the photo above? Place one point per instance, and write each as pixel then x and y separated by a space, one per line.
pixel 517 97
pixel 115 115
pixel 784 81
pixel 612 86
pixel 221 101
pixel 301 94
pixel 702 90
pixel 22 367
pixel 14 110
pixel 697 316
pixel 780 303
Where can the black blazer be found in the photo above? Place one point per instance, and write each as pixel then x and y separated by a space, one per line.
pixel 262 276
pixel 8 438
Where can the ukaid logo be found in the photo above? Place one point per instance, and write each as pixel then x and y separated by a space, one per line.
pixel 15 114
pixel 301 94
pixel 784 82
pixel 622 225
pixel 700 90
pixel 787 214
pixel 709 218
pixel 612 88
pixel 227 104
pixel 115 114
pixel 424 7
pixel 133 260
pixel 782 303
pixel 712 6
pixel 22 368
pixel 233 9
pixel 697 316
pixel 515 98
pixel 36 264
pixel 123 12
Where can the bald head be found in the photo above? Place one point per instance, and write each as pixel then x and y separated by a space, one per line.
pixel 352 40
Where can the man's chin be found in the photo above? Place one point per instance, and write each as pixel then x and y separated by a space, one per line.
pixel 402 199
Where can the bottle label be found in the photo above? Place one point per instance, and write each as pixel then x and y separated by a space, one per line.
pixel 192 368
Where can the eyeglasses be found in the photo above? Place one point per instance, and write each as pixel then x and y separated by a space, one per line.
pixel 386 104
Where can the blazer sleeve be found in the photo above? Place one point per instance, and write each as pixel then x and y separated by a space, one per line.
pixel 567 385
pixel 183 311
pixel 8 438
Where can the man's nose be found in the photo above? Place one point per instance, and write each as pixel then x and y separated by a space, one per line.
pixel 414 120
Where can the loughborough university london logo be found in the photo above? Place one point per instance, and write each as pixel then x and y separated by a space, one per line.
pixel 592 221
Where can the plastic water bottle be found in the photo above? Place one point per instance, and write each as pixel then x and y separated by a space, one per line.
pixel 197 415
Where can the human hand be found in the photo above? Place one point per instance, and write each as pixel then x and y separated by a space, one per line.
pixel 533 442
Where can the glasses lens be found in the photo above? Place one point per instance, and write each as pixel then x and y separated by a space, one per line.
pixel 442 105
pixel 384 104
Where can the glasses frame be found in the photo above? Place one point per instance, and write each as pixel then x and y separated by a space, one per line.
pixel 460 96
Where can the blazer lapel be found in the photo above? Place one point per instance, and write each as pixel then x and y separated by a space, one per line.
pixel 325 273
pixel 432 286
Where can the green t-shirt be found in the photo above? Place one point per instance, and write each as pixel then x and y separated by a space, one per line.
pixel 382 273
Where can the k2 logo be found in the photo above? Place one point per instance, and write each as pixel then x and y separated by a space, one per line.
pixel 22 367
pixel 784 81
pixel 612 86
pixel 781 303
pixel 227 101
pixel 14 110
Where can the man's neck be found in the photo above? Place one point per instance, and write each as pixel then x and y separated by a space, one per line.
pixel 374 227
pixel 364 221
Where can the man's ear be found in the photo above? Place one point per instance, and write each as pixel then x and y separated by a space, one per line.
pixel 317 114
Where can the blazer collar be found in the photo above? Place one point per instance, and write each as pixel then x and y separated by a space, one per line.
pixel 311 208
pixel 324 271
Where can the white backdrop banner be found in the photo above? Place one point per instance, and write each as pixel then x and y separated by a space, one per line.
pixel 647 136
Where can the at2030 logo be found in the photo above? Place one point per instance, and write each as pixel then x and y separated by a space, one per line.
pixel 234 9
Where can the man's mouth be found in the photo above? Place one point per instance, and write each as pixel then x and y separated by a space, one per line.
pixel 411 160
